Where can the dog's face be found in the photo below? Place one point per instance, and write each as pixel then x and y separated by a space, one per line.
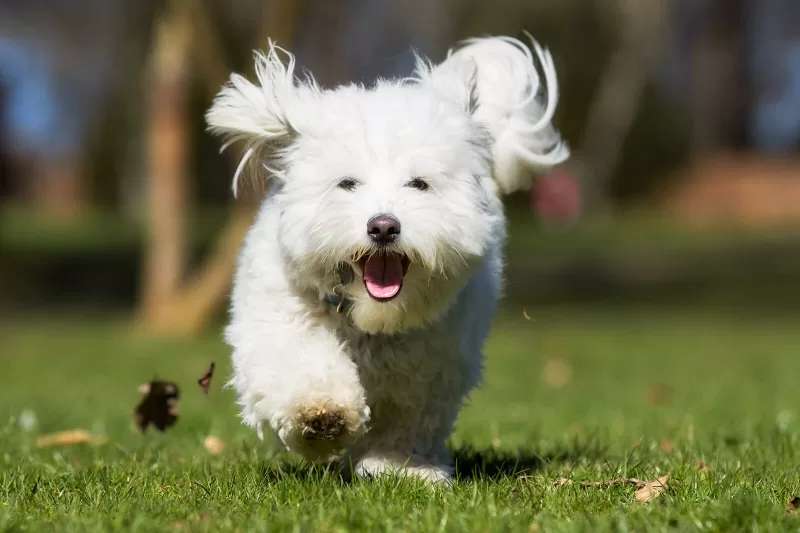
pixel 391 189
pixel 388 196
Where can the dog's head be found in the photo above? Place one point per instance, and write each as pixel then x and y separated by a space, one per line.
pixel 388 195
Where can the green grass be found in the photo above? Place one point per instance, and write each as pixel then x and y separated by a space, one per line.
pixel 731 402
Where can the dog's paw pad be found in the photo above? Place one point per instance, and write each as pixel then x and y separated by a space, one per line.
pixel 323 424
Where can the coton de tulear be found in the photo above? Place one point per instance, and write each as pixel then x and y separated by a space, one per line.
pixel 366 286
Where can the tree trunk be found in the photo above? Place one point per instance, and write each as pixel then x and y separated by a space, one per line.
pixel 167 181
pixel 188 310
pixel 613 111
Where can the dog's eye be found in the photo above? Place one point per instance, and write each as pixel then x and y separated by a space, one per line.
pixel 419 184
pixel 348 184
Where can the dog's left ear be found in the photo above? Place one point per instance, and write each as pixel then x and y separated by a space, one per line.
pixel 496 80
pixel 257 113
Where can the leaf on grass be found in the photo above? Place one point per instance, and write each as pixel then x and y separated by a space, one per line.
pixel 560 482
pixel 793 506
pixel 652 490
pixel 205 381
pixel 557 373
pixel 658 394
pixel 214 445
pixel 701 466
pixel 28 420
pixel 181 525
pixel 70 438
pixel 159 406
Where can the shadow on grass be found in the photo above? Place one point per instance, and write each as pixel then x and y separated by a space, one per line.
pixel 470 465
pixel 492 465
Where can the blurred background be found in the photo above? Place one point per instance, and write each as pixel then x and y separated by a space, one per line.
pixel 683 117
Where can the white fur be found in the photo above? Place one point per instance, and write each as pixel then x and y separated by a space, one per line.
pixel 389 377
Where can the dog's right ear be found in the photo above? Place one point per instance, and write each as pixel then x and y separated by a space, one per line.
pixel 257 113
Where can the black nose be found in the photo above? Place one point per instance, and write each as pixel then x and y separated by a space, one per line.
pixel 383 229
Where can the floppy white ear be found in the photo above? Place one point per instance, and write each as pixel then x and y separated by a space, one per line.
pixel 512 103
pixel 256 113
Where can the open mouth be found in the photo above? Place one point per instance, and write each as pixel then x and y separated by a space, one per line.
pixel 383 274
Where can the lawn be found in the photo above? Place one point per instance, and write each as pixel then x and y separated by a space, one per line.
pixel 588 395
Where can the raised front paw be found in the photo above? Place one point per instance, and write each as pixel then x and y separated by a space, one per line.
pixel 319 428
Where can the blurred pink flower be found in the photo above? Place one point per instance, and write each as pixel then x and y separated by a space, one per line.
pixel 557 197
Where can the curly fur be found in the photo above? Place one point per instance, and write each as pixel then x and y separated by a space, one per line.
pixel 381 382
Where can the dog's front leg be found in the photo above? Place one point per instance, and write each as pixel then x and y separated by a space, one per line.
pixel 295 378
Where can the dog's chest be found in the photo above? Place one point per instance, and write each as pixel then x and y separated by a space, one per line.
pixel 403 369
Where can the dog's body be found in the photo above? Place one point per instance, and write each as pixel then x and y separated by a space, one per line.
pixel 398 185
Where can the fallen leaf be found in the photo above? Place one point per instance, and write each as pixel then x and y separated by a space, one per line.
pixel 159 406
pixel 560 482
pixel 576 432
pixel 28 420
pixel 793 506
pixel 652 490
pixel 205 381
pixel 527 316
pixel 496 442
pixel 658 394
pixel 701 466
pixel 214 445
pixel 70 438
pixel 534 528
pixel 667 445
pixel 557 373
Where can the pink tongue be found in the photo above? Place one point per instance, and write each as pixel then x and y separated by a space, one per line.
pixel 383 275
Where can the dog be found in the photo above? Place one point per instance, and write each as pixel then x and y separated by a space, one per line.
pixel 366 286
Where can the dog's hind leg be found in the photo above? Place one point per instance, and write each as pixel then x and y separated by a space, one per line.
pixel 374 466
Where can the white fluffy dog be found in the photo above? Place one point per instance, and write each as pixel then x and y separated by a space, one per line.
pixel 366 287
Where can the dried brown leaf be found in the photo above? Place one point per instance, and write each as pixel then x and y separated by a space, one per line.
pixel 560 482
pixel 205 379
pixel 557 373
pixel 652 490
pixel 658 394
pixel 701 466
pixel 159 405
pixel 793 506
pixel 70 438
pixel 214 445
